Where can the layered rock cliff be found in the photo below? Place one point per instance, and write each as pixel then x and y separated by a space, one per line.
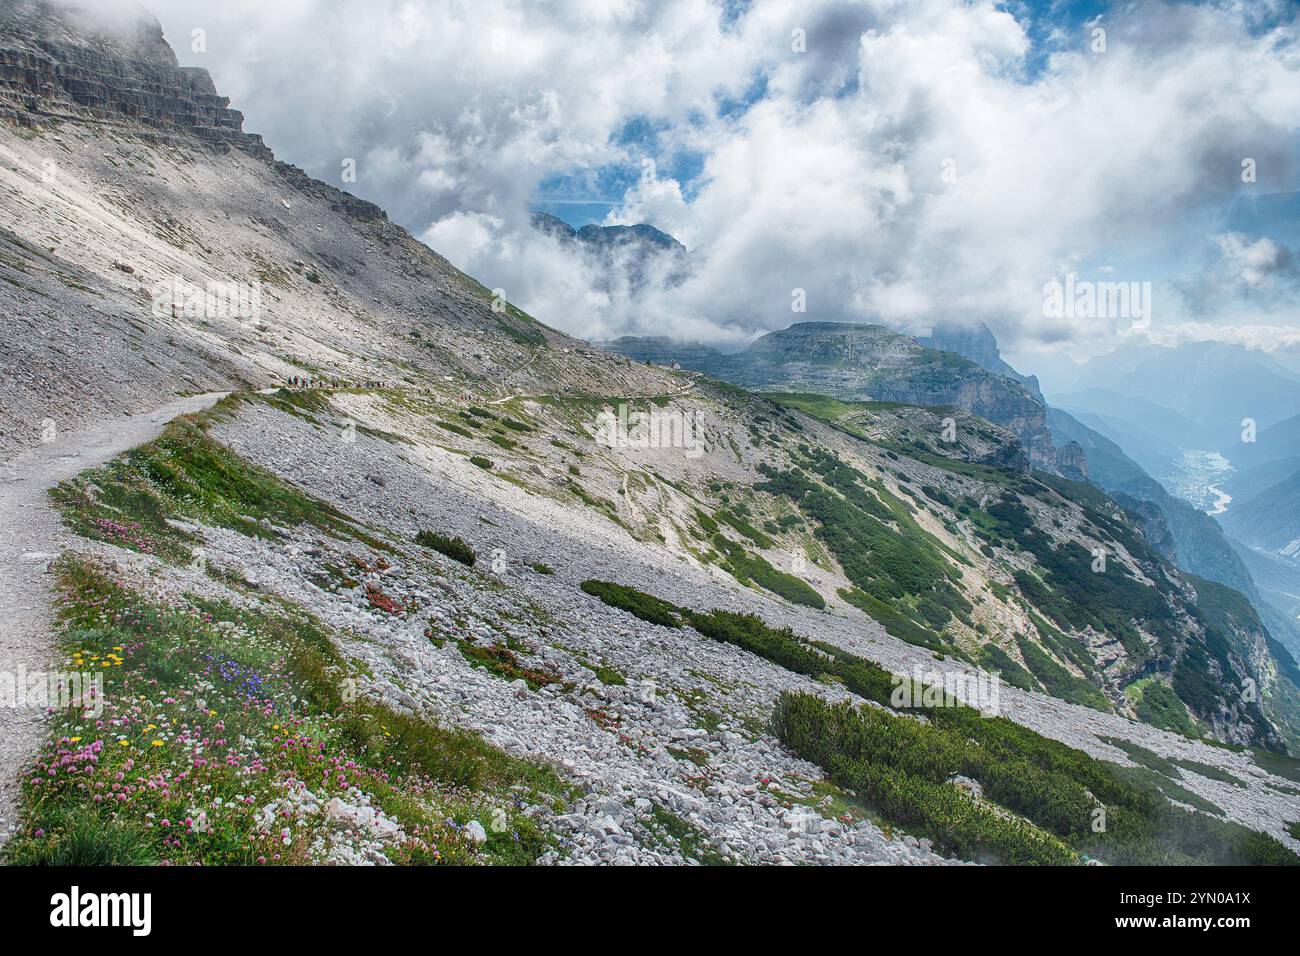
pixel 75 61
pixel 869 362
pixel 862 530
pixel 977 343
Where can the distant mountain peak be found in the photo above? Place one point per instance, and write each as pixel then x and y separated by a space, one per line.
pixel 632 254
pixel 598 237
pixel 976 342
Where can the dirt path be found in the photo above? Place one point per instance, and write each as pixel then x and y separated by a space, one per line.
pixel 31 536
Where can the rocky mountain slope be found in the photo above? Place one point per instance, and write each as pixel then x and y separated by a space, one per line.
pixel 1149 434
pixel 869 362
pixel 465 589
pixel 1181 532
pixel 1271 520
pixel 137 215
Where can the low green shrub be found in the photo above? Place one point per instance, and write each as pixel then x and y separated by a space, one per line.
pixel 747 567
pixel 455 548
pixel 456 429
pixel 995 660
pixel 860 749
pixel 745 528
pixel 637 603
pixel 1058 681
pixel 1160 707
pixel 905 765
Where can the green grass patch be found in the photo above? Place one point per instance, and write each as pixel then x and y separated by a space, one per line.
pixel 212 713
pixel 690 840
pixel 501 661
pixel 186 476
pixel 745 528
pixel 746 567
pixel 996 660
pixel 1159 706
pixel 895 623
pixel 455 429
pixel 610 676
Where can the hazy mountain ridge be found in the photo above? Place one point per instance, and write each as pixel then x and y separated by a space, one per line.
pixel 1213 384
pixel 1271 520
pixel 1267 461
pixel 1172 409
pixel 1125 401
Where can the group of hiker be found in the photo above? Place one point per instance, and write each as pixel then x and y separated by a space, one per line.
pixel 299 381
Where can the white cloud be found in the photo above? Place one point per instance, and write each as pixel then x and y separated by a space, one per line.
pixel 1260 264
pixel 1269 338
pixel 833 181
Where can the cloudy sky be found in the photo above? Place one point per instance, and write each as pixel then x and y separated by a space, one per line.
pixel 901 161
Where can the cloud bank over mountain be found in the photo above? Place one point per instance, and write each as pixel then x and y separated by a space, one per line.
pixel 898 161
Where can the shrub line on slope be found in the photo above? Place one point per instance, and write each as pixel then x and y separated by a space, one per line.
pixel 905 765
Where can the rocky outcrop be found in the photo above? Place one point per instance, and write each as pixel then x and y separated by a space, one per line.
pixel 872 363
pixel 1009 457
pixel 1150 520
pixel 977 343
pixel 62 62
pixel 1072 461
